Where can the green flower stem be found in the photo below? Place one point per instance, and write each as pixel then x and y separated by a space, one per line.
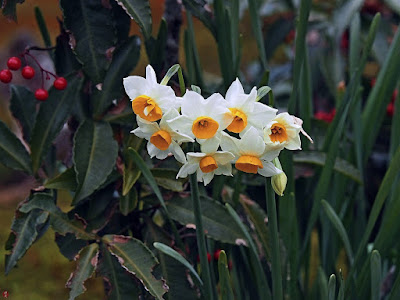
pixel 273 229
pixel 201 240
pixel 181 82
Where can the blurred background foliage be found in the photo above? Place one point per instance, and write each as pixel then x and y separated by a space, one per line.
pixel 330 72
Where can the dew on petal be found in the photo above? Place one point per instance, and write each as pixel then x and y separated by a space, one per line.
pixel 161 139
pixel 239 121
pixel 204 127
pixel 278 133
pixel 208 164
pixel 146 108
pixel 248 164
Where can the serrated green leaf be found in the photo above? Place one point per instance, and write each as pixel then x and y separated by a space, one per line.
pixel 66 181
pixel 216 221
pixel 12 153
pixel 58 219
pixel 65 60
pixel 178 257
pixel 139 10
pixel 23 108
pixel 119 284
pixel 124 60
pixel 95 153
pixel 24 231
pixel 224 278
pixel 87 263
pixel 258 217
pixel 69 245
pixel 128 202
pixel 51 118
pixel 131 173
pixel 137 259
pixel 9 8
pixel 167 179
pixel 91 24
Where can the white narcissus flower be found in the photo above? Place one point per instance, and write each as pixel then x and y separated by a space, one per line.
pixel 245 110
pixel 203 119
pixel 207 163
pixel 149 99
pixel 283 132
pixel 162 139
pixel 250 153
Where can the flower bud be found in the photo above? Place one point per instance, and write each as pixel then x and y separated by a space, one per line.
pixel 279 181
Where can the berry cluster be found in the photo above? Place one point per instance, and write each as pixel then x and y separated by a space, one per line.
pixel 14 64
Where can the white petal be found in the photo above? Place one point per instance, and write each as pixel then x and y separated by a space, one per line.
pixel 195 157
pixel 150 74
pixel 192 105
pixel 139 133
pixel 270 153
pixel 224 170
pixel 223 157
pixel 168 115
pixel 251 143
pixel 235 88
pixel 268 169
pixel 177 152
pixel 261 115
pixel 210 145
pixel 207 177
pixel 182 124
pixel 135 86
pixel 294 143
pixel 152 150
pixel 230 144
pixel 186 169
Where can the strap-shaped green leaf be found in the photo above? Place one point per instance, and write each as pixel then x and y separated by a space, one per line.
pixel 224 278
pixel 59 220
pixel 128 202
pixel 95 153
pixel 172 253
pixel 92 27
pixel 376 273
pixel 87 263
pixel 12 153
pixel 51 118
pixel 24 231
pixel 118 283
pixel 124 60
pixel 137 259
pixel 23 108
pixel 139 10
pixel 199 10
pixel 332 287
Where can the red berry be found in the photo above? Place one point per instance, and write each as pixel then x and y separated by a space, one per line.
pixel 41 94
pixel 28 72
pixel 14 63
pixel 216 254
pixel 5 76
pixel 60 83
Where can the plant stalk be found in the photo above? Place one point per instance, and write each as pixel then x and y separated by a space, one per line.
pixel 201 240
pixel 275 251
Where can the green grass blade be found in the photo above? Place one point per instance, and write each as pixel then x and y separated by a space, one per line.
pixel 380 96
pixel 224 278
pixel 301 30
pixel 332 287
pixel 175 255
pixel 262 282
pixel 257 30
pixel 337 223
pixel 322 284
pixel 42 27
pixel 376 271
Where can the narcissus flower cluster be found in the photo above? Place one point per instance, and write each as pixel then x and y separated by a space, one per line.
pixel 235 129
